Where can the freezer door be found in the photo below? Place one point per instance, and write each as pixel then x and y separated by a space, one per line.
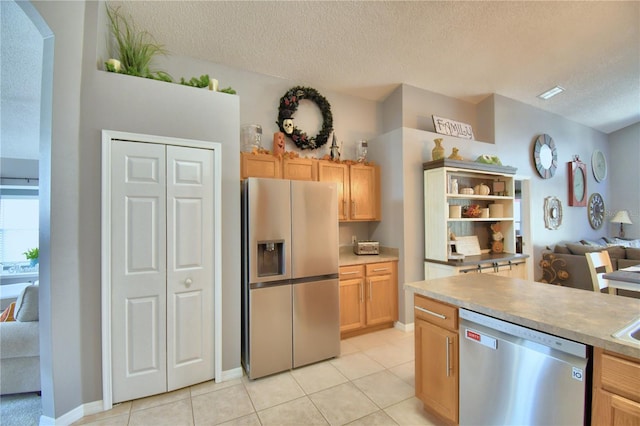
pixel 270 331
pixel 314 228
pixel 316 321
pixel 268 239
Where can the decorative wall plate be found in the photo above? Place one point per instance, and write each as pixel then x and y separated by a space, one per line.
pixel 596 210
pixel 599 165
pixel 545 156
pixel 552 213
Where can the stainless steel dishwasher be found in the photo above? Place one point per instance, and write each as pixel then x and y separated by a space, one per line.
pixel 512 375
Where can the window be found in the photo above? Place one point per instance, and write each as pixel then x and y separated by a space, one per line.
pixel 19 214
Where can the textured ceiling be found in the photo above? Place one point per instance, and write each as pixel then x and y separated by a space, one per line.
pixel 464 50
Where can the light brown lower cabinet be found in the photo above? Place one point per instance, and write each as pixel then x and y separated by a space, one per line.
pixel 436 357
pixel 616 389
pixel 368 297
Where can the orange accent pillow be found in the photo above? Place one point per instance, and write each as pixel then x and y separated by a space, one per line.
pixel 7 315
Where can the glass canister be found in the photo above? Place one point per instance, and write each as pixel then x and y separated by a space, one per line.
pixel 361 151
pixel 250 137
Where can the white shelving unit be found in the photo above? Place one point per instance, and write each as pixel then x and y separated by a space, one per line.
pixel 438 196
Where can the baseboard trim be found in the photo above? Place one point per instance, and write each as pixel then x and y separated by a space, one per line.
pixel 404 327
pixel 73 415
pixel 97 406
pixel 234 373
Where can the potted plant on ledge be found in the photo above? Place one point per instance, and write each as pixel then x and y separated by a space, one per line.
pixel 32 256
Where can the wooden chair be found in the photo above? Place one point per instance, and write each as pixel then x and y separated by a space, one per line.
pixel 599 264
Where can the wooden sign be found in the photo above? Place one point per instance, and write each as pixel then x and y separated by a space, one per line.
pixel 444 126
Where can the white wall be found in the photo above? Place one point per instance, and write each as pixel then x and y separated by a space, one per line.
pixel 624 177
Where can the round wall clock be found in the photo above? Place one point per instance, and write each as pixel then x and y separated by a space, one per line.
pixel 545 156
pixel 552 213
pixel 596 210
pixel 599 165
pixel 577 183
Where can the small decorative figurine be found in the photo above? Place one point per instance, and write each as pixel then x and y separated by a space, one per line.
pixel 335 152
pixel 455 156
pixel 278 143
pixel 497 246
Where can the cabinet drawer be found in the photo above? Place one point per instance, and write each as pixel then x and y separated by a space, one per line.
pixel 621 376
pixel 435 312
pixel 384 268
pixel 353 271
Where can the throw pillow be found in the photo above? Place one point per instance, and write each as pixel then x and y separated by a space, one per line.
pixel 599 243
pixel 7 314
pixel 628 243
pixel 580 249
pixel 27 305
pixel 633 253
pixel 617 252
pixel 561 249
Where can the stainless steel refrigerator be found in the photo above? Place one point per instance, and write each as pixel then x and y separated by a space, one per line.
pixel 290 290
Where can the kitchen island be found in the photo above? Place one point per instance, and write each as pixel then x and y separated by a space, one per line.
pixel 584 316
pixel 580 316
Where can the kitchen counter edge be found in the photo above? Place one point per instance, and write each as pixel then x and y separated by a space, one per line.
pixel 348 257
pixel 586 317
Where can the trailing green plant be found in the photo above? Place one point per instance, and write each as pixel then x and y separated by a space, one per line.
pixel 228 90
pixel 203 81
pixel 33 253
pixel 136 48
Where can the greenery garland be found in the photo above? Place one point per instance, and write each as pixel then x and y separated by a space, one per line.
pixel 289 105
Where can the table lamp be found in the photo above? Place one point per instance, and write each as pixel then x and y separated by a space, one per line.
pixel 621 217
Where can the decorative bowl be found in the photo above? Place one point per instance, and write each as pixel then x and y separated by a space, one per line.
pixel 471 211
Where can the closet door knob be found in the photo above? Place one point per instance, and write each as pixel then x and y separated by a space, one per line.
pixel 188 282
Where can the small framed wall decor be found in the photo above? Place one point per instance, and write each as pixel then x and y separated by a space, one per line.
pixel 552 213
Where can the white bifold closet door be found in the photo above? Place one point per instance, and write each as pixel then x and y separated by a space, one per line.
pixel 162 268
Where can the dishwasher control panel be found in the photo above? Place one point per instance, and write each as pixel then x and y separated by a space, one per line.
pixel 516 330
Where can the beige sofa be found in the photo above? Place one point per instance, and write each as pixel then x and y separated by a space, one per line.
pixel 565 264
pixel 20 346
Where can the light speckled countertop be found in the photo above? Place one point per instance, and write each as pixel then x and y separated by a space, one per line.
pixel 583 316
pixel 348 257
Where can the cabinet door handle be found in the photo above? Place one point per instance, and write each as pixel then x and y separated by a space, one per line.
pixel 353 207
pixel 344 207
pixel 380 269
pixel 349 273
pixel 370 291
pixel 361 292
pixel 426 311
pixel 448 362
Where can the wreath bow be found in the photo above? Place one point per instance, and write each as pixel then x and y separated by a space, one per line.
pixel 289 105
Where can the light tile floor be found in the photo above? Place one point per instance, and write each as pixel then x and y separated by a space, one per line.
pixel 370 383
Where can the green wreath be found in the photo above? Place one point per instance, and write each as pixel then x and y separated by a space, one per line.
pixel 289 105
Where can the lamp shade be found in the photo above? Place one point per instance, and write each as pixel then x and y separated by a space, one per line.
pixel 621 217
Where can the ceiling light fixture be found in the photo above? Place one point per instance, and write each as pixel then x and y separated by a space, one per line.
pixel 551 93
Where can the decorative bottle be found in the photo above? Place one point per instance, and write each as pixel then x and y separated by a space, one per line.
pixel 454 186
pixel 437 153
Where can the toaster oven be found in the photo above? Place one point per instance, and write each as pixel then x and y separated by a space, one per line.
pixel 366 247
